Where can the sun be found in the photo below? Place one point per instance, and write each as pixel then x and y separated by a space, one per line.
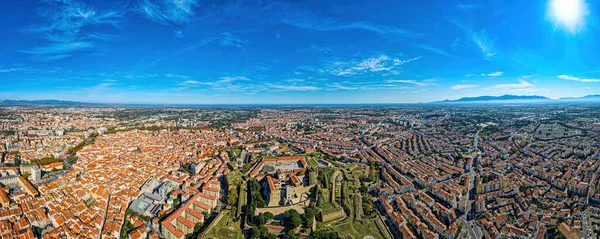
pixel 568 14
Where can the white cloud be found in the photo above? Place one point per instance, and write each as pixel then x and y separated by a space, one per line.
pixel 168 12
pixel 231 40
pixel 295 80
pixel 485 44
pixel 319 50
pixel 17 68
pixel 101 87
pixel 521 87
pixel 292 87
pixel 435 50
pixel 223 82
pixel 375 64
pixel 573 78
pixel 189 83
pixel 305 20
pixel 462 87
pixel 338 86
pixel 412 82
pixel 455 43
pixel 494 74
pixel 463 6
pixel 228 79
pixel 171 75
pixel 491 74
pixel 64 28
pixel 399 62
pixel 480 39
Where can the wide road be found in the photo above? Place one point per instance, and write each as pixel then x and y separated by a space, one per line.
pixel 473 230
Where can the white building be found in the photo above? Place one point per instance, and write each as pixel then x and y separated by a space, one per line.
pixel 36 174
pixel 195 168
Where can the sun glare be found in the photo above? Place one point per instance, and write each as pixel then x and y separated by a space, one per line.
pixel 568 14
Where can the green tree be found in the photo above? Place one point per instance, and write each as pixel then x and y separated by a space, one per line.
pixel 255 232
pixel 260 219
pixel 264 232
pixel 325 235
pixel 232 198
pixel 312 176
pixel 368 207
pixel 292 218
pixel 308 217
pixel 269 216
pixel 291 234
pixel 373 172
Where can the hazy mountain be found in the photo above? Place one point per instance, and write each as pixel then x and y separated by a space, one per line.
pixel 502 98
pixel 591 97
pixel 587 98
pixel 478 99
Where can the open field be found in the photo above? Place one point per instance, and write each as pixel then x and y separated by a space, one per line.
pixel 226 228
pixel 359 229
pixel 234 178
pixel 313 162
pixel 243 197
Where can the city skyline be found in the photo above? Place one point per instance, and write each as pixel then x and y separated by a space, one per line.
pixel 236 52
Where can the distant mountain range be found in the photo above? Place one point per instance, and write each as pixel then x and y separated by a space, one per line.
pixel 486 98
pixel 582 98
pixel 520 99
pixel 464 100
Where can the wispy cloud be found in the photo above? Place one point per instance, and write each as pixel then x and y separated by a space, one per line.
pixel 171 75
pixel 573 78
pixel 168 12
pixel 411 82
pixel 99 36
pixel 278 87
pixel 455 43
pixel 276 13
pixel 435 50
pixel 462 87
pixel 521 87
pixel 493 74
pixel 17 68
pixel 479 38
pixel 338 86
pixel 463 6
pixel 308 20
pixel 229 79
pixel 59 50
pixel 319 50
pixel 225 40
pixel 230 40
pixel 374 64
pixel 485 44
pixel 327 25
pixel 381 29
pixel 223 83
pixel 399 62
pixel 63 25
pixel 189 83
pixel 100 87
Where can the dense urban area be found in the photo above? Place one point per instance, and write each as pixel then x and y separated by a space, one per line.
pixel 417 171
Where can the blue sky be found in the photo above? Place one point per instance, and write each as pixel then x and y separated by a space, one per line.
pixel 218 52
